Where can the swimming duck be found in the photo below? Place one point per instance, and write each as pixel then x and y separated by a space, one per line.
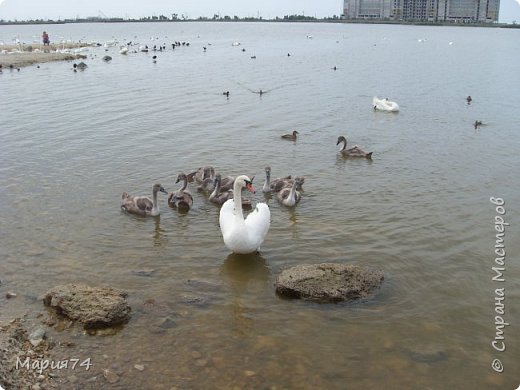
pixel 243 235
pixel 477 124
pixel 291 137
pixel 356 151
pixel 469 99
pixel 182 198
pixel 288 195
pixel 142 205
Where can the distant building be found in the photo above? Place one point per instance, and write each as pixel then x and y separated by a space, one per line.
pixel 456 11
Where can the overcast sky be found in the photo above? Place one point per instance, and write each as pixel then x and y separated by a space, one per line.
pixel 54 9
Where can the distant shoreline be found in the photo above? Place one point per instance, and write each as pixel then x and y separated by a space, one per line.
pixel 278 20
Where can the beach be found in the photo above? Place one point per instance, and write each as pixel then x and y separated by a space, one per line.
pixel 18 56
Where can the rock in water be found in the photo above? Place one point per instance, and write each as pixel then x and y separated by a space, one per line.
pixel 94 307
pixel 36 337
pixel 328 282
pixel 110 376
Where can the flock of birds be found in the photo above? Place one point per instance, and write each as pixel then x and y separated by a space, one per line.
pixel 241 235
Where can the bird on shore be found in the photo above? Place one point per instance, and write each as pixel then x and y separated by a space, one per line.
pixel 290 137
pixel 142 205
pixel 356 151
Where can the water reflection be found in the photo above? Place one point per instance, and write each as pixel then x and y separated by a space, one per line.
pixel 158 235
pixel 341 160
pixel 247 275
pixel 242 270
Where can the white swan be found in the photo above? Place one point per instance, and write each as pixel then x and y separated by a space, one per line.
pixel 384 104
pixel 243 236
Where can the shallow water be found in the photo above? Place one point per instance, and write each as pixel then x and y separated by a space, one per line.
pixel 420 211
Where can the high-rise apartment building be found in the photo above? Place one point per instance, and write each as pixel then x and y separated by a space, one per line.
pixel 457 11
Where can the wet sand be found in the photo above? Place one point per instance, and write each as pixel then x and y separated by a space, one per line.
pixel 18 59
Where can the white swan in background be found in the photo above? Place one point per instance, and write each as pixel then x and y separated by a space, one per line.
pixel 384 104
pixel 142 205
pixel 243 235
pixel 124 50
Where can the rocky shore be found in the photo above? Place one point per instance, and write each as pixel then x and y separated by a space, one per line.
pixel 14 56
pixel 27 356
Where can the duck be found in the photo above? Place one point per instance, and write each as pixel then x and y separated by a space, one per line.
pixel 288 196
pixel 142 205
pixel 356 151
pixel 181 199
pixel 477 124
pixel 469 99
pixel 219 196
pixel 278 184
pixel 291 137
pixel 243 236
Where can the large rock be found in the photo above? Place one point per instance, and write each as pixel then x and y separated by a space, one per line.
pixel 328 282
pixel 94 307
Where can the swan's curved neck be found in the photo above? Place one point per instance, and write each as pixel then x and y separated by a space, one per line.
pixel 155 207
pixel 292 193
pixel 237 198
pixel 184 184
pixel 216 190
pixel 344 144
pixel 267 184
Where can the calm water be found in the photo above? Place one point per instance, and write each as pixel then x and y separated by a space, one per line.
pixel 71 143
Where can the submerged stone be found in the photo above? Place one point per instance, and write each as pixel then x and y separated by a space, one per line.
pixel 94 307
pixel 328 282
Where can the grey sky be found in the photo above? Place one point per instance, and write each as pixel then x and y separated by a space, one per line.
pixel 54 9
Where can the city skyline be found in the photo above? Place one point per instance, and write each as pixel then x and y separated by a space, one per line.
pixel 268 9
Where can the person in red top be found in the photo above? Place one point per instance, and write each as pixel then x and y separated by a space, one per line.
pixel 45 38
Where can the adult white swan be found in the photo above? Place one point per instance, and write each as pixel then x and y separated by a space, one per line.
pixel 243 235
pixel 384 104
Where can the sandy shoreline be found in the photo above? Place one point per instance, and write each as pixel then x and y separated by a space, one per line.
pixel 12 56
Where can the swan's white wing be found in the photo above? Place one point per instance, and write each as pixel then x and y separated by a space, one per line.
pixel 258 222
pixel 227 217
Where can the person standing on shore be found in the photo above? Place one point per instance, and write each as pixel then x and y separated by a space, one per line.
pixel 45 38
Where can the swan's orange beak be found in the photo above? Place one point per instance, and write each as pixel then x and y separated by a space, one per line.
pixel 249 186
